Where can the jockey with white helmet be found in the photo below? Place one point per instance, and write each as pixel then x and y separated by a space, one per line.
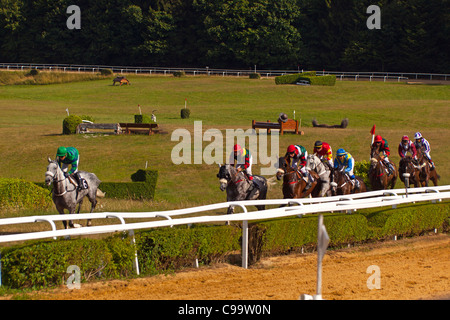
pixel 422 144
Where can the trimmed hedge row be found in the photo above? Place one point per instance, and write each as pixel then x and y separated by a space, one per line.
pixel 44 263
pixel 21 194
pixel 293 78
pixel 142 187
pixel 311 77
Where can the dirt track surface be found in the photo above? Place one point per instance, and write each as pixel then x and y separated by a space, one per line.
pixel 410 269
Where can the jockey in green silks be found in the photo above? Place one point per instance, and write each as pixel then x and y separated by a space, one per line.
pixel 69 157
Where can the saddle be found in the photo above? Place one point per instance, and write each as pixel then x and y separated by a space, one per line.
pixel 82 185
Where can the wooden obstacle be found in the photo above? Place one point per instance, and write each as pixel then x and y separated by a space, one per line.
pixel 146 128
pixel 118 128
pixel 289 126
pixel 88 127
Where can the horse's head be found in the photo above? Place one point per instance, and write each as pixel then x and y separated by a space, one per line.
pixel 224 176
pixel 52 171
pixel 282 168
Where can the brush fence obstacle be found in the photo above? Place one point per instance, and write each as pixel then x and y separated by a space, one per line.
pixel 296 207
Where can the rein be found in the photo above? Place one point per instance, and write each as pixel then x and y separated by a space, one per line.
pixel 56 181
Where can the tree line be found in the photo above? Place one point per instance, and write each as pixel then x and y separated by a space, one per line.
pixel 271 34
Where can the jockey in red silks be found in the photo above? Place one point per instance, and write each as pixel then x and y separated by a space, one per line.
pixel 324 152
pixel 406 146
pixel 242 160
pixel 298 154
pixel 383 147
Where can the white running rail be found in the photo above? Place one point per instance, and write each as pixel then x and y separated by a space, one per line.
pixel 297 207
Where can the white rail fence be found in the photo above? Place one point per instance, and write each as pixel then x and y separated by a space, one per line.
pixel 354 75
pixel 296 207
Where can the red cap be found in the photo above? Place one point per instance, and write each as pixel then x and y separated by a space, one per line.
pixel 291 148
pixel 237 148
pixel 378 138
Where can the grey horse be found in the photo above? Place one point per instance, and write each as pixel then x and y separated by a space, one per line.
pixel 65 194
pixel 238 187
pixel 314 163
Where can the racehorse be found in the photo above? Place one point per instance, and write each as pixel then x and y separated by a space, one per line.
pixel 426 173
pixel 293 183
pixel 313 163
pixel 65 194
pixel 239 187
pixel 379 176
pixel 406 165
pixel 342 184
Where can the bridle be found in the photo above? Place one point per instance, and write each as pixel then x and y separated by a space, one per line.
pixel 54 177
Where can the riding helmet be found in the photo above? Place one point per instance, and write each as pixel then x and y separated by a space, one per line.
pixel 341 152
pixel 61 152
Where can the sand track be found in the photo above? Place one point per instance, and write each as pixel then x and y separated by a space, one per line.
pixel 414 268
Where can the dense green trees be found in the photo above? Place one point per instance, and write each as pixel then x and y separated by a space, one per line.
pixel 272 34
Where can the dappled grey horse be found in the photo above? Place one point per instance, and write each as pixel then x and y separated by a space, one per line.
pixel 238 187
pixel 314 163
pixel 65 194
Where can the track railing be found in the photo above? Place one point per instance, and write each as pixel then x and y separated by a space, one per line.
pixel 293 207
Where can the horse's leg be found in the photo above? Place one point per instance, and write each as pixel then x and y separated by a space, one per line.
pixel 93 200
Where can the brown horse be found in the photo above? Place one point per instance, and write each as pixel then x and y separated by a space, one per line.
pixel 379 175
pixel 342 184
pixel 293 182
pixel 407 165
pixel 426 173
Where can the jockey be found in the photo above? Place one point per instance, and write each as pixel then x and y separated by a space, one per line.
pixel 69 156
pixel 383 147
pixel 345 159
pixel 298 154
pixel 243 160
pixel 324 152
pixel 406 146
pixel 422 144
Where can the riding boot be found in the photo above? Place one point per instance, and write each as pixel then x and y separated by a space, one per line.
pixel 432 165
pixel 357 184
pixel 76 175
pixel 390 168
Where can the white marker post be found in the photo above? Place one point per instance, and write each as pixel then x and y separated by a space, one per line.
pixel 322 243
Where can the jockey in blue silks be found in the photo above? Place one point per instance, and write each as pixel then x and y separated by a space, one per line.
pixel 345 159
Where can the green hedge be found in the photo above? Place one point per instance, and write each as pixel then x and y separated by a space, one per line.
pixel 142 118
pixel 162 250
pixel 328 80
pixel 142 187
pixel 170 249
pixel 185 113
pixel 44 263
pixel 21 194
pixel 70 123
pixel 293 78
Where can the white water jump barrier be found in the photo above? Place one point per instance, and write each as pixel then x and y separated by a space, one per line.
pixel 296 207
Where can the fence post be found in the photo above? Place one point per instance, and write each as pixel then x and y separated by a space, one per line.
pixel 133 242
pixel 245 244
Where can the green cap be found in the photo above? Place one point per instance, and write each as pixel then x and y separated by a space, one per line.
pixel 62 151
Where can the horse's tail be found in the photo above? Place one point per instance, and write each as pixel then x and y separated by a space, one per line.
pixel 271 181
pixel 100 193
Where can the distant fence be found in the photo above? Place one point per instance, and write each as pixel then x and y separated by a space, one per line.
pixel 299 207
pixel 340 75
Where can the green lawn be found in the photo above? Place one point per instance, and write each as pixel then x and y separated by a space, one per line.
pixel 31 125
